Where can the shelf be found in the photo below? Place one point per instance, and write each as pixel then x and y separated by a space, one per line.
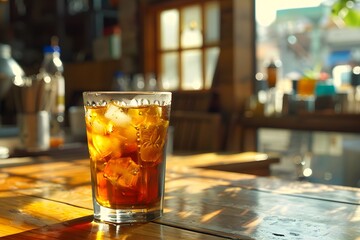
pixel 324 122
pixel 76 29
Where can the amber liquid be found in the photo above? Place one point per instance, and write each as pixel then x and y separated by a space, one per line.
pixel 126 146
pixel 272 76
pixel 306 87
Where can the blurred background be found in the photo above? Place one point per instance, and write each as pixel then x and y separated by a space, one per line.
pixel 218 58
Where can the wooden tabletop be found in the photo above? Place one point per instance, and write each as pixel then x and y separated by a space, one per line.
pixel 247 162
pixel 50 198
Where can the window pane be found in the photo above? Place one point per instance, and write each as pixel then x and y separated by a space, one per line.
pixel 191 70
pixel 169 27
pixel 169 74
pixel 212 55
pixel 191 35
pixel 212 28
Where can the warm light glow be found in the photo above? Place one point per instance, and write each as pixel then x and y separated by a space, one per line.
pixel 259 76
pixel 340 74
pixel 169 29
pixel 167 210
pixel 18 81
pixel 185 214
pixel 356 70
pixel 261 157
pixel 200 187
pixel 11 161
pixel 307 172
pixel 47 79
pixel 209 216
pixel 232 191
pixel 356 216
pixel 254 223
pixel 100 231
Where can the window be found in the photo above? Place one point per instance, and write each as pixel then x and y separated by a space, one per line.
pixel 188 46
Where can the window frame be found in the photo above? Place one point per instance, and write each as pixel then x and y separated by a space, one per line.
pixel 152 38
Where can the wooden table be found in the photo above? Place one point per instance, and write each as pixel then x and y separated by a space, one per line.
pixel 50 198
pixel 247 162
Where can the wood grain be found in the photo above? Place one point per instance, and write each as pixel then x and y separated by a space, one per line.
pixel 228 206
pixel 52 200
pixel 249 162
pixel 85 228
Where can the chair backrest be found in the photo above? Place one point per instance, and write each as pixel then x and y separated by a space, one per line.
pixel 192 100
pixel 196 131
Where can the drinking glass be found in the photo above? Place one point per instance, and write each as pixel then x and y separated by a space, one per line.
pixel 126 134
pixel 306 87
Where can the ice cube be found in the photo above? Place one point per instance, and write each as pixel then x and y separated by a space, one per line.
pixel 137 115
pixel 117 115
pixel 122 172
pixel 154 111
pixel 126 135
pixel 106 145
pixel 94 154
pixel 143 114
pixel 95 121
pixel 100 125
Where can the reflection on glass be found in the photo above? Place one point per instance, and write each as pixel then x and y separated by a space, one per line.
pixel 212 16
pixel 169 74
pixel 212 55
pixel 169 29
pixel 191 70
pixel 191 25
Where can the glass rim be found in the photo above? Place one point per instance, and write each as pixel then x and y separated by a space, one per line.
pixel 128 92
pixel 127 98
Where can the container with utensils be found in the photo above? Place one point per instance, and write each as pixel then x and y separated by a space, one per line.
pixel 33 103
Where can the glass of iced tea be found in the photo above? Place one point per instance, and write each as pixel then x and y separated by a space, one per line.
pixel 126 134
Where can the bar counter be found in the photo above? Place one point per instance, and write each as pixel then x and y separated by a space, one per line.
pixel 47 197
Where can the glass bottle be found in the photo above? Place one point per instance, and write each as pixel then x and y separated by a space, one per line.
pixel 53 66
pixel 272 74
pixel 9 70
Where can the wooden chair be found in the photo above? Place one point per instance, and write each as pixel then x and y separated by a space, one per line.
pixel 192 100
pixel 196 131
